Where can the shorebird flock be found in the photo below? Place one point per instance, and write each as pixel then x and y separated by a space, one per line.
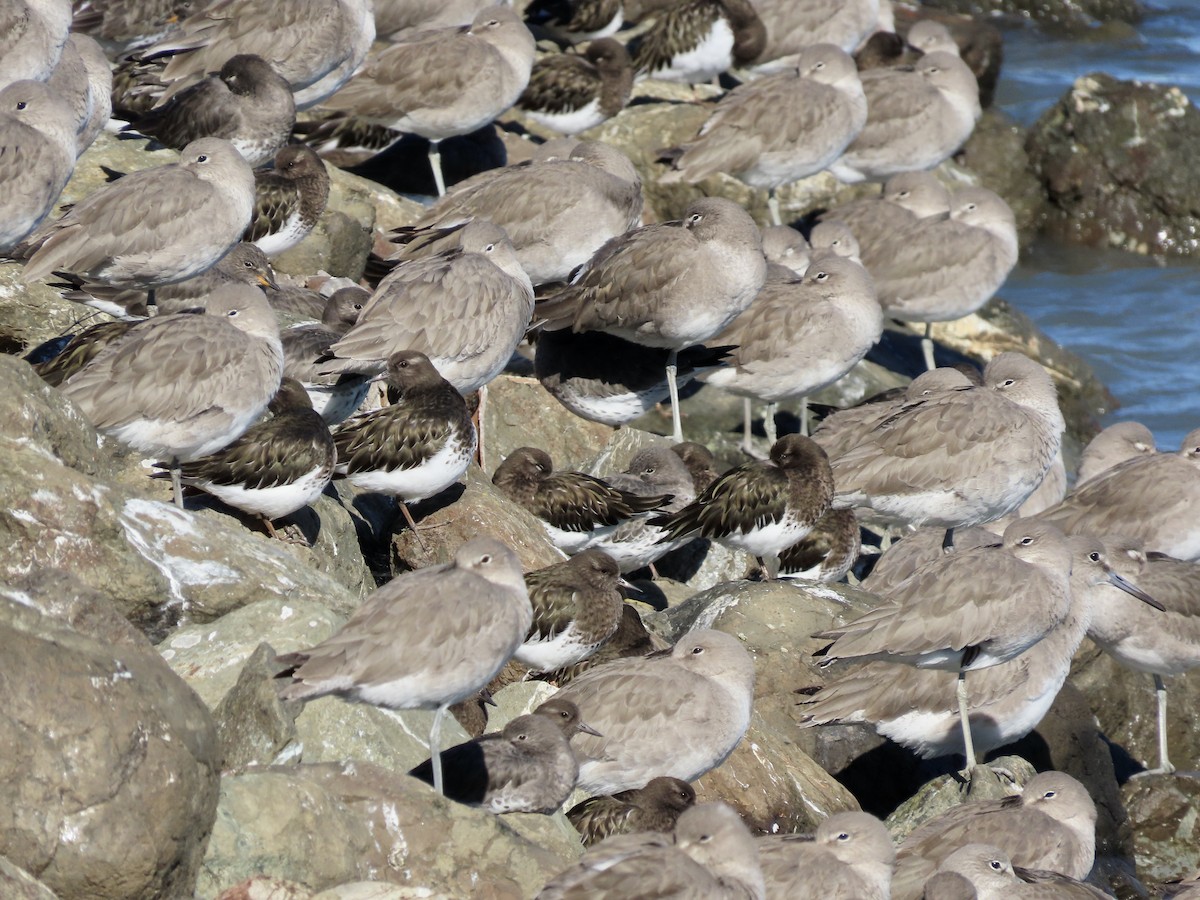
pixel 994 575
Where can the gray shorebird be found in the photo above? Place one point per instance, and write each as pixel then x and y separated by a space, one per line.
pixel 793 25
pixel 32 39
pixel 670 285
pixel 992 876
pixel 801 334
pixel 710 854
pixel 574 509
pixel 1051 826
pixel 677 713
pixel 1155 642
pixel 467 310
pixel 916 707
pixel 129 24
pixel 526 767
pixel 906 198
pixel 935 460
pixel 1113 446
pixel 655 807
pixel 288 200
pixel 181 387
pixel 425 640
pixel 570 93
pixel 276 467
pixel 779 129
pixel 556 212
pixel 915 119
pixel 247 103
pixel 83 77
pixel 968 610
pixel 694 41
pixel 152 227
pixel 850 857
pixel 1151 498
pixel 444 82
pixel 37 128
pixel 80 350
pixel 576 608
pixel 761 507
pixel 415 447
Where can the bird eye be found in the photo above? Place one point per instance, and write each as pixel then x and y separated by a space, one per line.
pixel 1026 541
pixel 21 104
pixel 819 65
pixel 843 836
pixel 403 364
pixel 1094 556
pixel 705 838
pixel 489 248
pixel 821 276
pixel 485 559
pixel 202 158
pixel 1049 795
pixel 697 650
pixel 694 218
pixel 232 313
pixel 995 864
pixel 1008 382
pixel 520 737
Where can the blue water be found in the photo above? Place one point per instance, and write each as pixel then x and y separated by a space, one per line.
pixel 1133 319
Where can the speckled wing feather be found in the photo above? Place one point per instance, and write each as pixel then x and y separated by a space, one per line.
pixel 561 83
pixel 275 198
pixel 750 495
pixel 677 29
pixel 553 607
pixel 82 349
pixel 575 502
pixel 395 439
pixel 205 109
pixel 268 455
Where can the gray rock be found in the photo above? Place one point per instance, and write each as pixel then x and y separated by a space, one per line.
pixel 17 884
pixel 1164 826
pixel 374 890
pixel 1115 157
pixel 111 763
pixel 1077 15
pixel 321 826
pixel 253 724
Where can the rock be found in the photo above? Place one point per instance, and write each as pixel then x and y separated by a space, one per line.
pixel 262 887
pixel 338 245
pixel 17 884
pixel 1115 157
pixel 326 825
pixel 519 408
pixel 1125 705
pixel 110 772
pixel 1165 825
pixel 253 724
pixel 460 513
pixel 517 699
pixel 1077 15
pixel 374 890
pixel 210 657
pixel 33 313
pixel 948 791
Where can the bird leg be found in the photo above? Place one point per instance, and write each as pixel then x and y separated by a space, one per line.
pixel 948 541
pixel 927 347
pixel 435 163
pixel 177 482
pixel 479 410
pixel 804 415
pixel 769 423
pixel 773 206
pixel 673 389
pixel 411 524
pixel 435 755
pixel 1165 766
pixel 771 566
pixel 960 692
pixel 748 430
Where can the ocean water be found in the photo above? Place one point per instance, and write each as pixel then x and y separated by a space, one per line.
pixel 1134 319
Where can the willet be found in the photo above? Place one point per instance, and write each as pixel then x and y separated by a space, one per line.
pixel 656 807
pixel 527 767
pixel 576 608
pixel 83 77
pixel 652 472
pixel 556 212
pixel 827 553
pixel 968 610
pixel 425 640
pixel 712 854
pixel 181 387
pixel 849 858
pixel 779 129
pixel 799 335
pixel 39 128
pixel 669 285
pixel 247 103
pixel 916 707
pixel 288 200
pixel 761 507
pixel 334 397
pixel 129 24
pixel 305 42
pixel 33 39
pixel 679 714
pixel 401 17
pixel 793 25
pixel 916 549
pixel 570 92
pixel 611 380
pixel 949 886
pixel 915 119
pixel 1158 642
pixel 937 269
pixel 467 310
pixel 935 461
pixel 152 227
pixel 1151 498
pixel 574 509
pixel 906 198
pixel 1113 446
pixel 276 467
pixel 573 21
pixel 444 82
pixel 694 41
pixel 785 246
pixel 415 447
pixel 991 874
pixel 1050 826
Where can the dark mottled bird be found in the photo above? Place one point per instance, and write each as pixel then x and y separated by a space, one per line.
pixel 655 807
pixel 288 200
pixel 570 92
